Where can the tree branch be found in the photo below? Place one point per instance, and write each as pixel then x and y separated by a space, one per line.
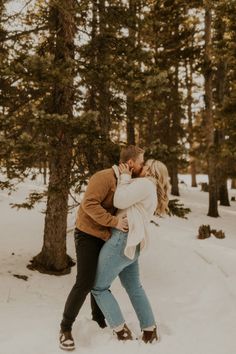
pixel 17 35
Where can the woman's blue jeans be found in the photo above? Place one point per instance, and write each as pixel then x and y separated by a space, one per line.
pixel 111 263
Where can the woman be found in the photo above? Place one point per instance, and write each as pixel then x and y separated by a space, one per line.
pixel 139 199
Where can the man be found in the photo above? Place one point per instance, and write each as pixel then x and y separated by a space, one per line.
pixel 95 218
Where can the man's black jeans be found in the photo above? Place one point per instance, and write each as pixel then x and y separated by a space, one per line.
pixel 87 252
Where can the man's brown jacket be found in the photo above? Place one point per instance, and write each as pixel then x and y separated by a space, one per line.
pixel 96 212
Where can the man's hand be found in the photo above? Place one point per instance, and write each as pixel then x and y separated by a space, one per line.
pixel 124 168
pixel 122 224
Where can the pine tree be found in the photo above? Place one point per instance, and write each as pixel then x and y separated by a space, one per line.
pixel 4 83
pixel 221 63
pixel 16 147
pixel 101 78
pixel 39 120
pixel 172 32
pixel 130 95
pixel 229 104
pixel 62 27
pixel 208 114
pixel 85 75
pixel 191 65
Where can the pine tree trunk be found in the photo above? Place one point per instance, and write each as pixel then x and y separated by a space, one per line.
pixel 130 97
pixel 53 258
pixel 174 127
pixel 103 64
pixel 213 195
pixel 193 172
pixel 233 183
pixel 174 180
pixel 152 130
pixel 209 124
pixel 130 119
pixel 189 85
pixel 219 97
pixel 45 172
pixel 223 193
pixel 91 104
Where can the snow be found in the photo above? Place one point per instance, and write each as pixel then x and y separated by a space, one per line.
pixel 191 284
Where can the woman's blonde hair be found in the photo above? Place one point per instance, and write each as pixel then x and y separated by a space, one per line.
pixel 158 171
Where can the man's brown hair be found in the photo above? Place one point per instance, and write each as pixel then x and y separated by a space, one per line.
pixel 130 152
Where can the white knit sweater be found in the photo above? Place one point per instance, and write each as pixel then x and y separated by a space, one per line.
pixel 138 198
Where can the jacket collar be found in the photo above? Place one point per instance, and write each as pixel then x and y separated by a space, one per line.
pixel 117 172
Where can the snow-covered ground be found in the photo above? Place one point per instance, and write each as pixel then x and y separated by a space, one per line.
pixel 191 284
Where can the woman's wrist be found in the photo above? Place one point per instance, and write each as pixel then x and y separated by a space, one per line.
pixel 124 169
pixel 125 178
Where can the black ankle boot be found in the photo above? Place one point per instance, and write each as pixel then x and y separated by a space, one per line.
pixel 150 336
pixel 124 334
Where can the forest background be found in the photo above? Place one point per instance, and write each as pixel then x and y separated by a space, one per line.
pixel 79 79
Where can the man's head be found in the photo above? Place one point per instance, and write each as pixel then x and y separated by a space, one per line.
pixel 133 156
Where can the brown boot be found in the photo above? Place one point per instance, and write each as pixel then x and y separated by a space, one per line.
pixel 66 340
pixel 150 336
pixel 124 334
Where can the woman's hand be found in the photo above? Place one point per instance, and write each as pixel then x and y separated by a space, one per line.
pixel 124 169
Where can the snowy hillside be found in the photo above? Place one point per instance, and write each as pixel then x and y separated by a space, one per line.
pixel 191 284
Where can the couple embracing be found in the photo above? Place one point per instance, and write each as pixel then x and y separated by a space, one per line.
pixel 112 229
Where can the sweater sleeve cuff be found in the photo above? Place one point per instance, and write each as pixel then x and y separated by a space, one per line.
pixel 125 178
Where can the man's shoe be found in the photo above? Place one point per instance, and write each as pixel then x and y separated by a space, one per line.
pixel 124 334
pixel 66 340
pixel 150 336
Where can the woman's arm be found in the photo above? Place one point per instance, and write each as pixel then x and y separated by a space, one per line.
pixel 130 192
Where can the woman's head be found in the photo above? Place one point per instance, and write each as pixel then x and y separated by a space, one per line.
pixel 158 171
